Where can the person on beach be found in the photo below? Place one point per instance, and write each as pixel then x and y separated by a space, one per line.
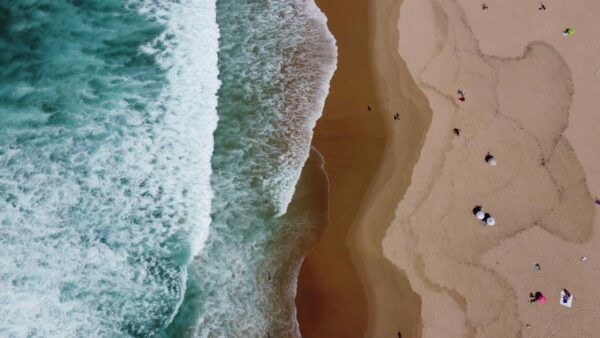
pixel 597 200
pixel 537 267
pixel 542 7
pixel 537 297
pixel 486 216
pixel 484 6
pixel 566 296
pixel 369 108
pixel 461 95
pixel 490 159
pixel 397 117
pixel 457 131
pixel 568 31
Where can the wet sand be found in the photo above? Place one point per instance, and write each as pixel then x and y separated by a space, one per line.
pixel 346 288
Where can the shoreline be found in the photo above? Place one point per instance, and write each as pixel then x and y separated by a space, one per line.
pixel 346 285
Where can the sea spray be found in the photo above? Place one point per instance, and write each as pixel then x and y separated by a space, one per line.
pixel 275 63
pixel 107 110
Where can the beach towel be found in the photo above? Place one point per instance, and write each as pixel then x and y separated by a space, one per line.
pixel 568 302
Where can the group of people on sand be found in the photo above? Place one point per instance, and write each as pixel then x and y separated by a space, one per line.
pixel 541 7
pixel 568 31
pixel 538 296
pixel 486 218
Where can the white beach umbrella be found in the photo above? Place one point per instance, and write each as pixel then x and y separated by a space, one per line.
pixel 480 215
pixel 492 161
pixel 490 221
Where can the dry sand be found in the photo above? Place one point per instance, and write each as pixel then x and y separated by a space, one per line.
pixel 532 96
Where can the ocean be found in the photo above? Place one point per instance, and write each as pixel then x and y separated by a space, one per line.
pixel 151 155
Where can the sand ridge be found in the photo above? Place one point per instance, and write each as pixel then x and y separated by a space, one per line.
pixel 474 280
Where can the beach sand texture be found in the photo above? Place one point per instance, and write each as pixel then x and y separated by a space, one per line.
pixel 346 287
pixel 532 98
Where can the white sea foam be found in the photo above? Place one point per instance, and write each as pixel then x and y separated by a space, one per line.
pixel 308 86
pixel 94 216
pixel 277 59
pixel 189 50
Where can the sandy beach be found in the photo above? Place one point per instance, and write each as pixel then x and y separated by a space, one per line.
pixel 403 250
pixel 529 102
pixel 346 287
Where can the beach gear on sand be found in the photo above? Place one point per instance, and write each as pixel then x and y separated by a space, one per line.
pixel 490 221
pixel 541 299
pixel 536 267
pixel 480 215
pixel 584 259
pixel 568 31
pixel 566 299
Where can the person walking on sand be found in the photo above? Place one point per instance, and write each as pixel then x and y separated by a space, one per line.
pixel 456 131
pixel 542 7
pixel 484 6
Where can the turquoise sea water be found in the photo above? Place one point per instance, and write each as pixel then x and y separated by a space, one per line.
pixel 148 155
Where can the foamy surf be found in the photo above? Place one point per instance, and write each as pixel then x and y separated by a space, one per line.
pixel 106 125
pixel 106 176
pixel 276 60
